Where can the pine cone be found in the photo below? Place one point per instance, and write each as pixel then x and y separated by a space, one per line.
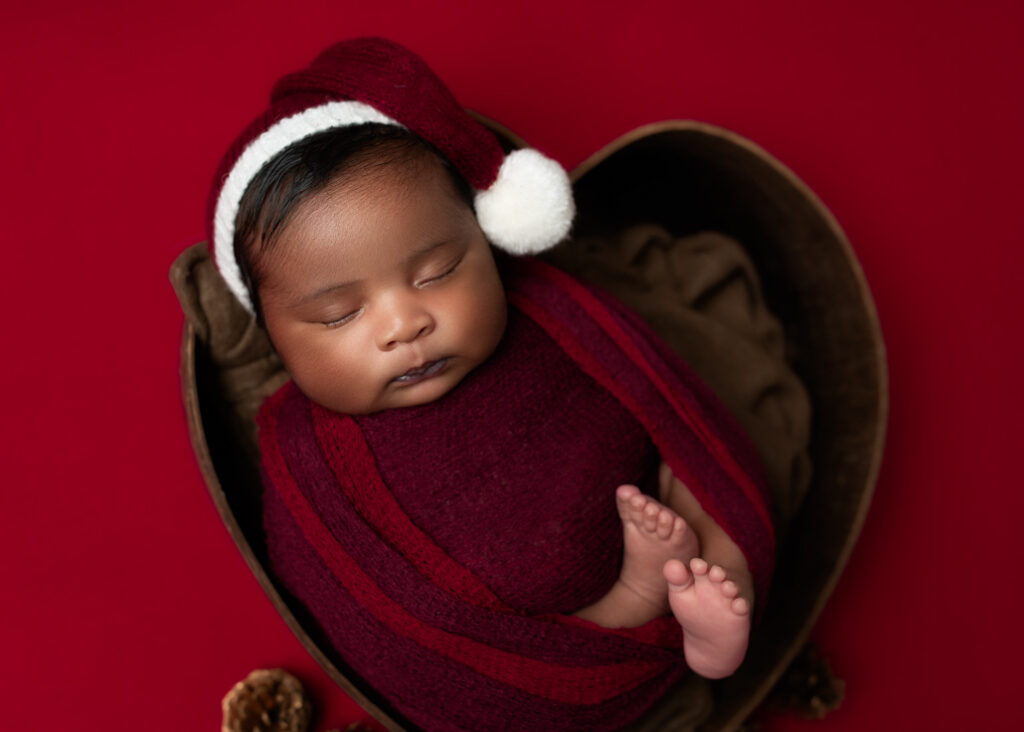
pixel 266 701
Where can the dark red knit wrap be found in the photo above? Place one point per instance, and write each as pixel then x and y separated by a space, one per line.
pixel 440 548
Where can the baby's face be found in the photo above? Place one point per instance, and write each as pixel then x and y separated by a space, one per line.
pixel 382 292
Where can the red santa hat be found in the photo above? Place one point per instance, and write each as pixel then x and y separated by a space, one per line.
pixel 523 200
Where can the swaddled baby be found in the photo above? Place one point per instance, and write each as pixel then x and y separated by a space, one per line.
pixel 480 466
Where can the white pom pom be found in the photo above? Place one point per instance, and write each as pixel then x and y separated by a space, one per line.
pixel 529 207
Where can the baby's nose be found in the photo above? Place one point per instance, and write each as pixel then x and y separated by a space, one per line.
pixel 404 325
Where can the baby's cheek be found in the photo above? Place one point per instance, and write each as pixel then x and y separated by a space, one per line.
pixel 491 315
pixel 315 361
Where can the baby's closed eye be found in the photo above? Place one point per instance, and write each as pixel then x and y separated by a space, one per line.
pixel 336 322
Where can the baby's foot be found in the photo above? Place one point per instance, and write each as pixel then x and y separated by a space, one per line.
pixel 715 619
pixel 652 535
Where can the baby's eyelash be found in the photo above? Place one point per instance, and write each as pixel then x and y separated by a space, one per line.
pixel 446 273
pixel 337 322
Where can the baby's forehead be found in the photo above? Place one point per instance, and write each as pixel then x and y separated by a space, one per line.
pixel 416 172
pixel 408 207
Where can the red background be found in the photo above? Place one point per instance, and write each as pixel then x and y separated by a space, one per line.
pixel 126 605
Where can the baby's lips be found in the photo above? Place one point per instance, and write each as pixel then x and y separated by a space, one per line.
pixel 425 368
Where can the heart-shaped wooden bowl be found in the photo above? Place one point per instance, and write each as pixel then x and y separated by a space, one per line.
pixel 687 177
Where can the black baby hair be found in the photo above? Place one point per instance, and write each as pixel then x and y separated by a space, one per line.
pixel 307 167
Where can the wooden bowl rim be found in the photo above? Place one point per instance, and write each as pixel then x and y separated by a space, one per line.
pixel 200 445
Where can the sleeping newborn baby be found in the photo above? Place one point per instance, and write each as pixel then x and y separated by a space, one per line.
pixel 480 464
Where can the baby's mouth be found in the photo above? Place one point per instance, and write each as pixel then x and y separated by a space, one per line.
pixel 430 368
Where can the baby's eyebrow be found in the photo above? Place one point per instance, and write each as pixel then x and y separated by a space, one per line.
pixel 427 249
pixel 334 287
pixel 326 290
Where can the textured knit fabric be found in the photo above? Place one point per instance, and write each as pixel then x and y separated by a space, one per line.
pixel 441 547
pixel 549 463
pixel 390 79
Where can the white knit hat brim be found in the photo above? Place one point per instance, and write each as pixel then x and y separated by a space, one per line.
pixel 272 141
pixel 528 208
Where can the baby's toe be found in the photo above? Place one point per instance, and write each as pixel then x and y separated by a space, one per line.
pixel 665 523
pixel 651 513
pixel 623 499
pixel 678 531
pixel 740 606
pixel 677 575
